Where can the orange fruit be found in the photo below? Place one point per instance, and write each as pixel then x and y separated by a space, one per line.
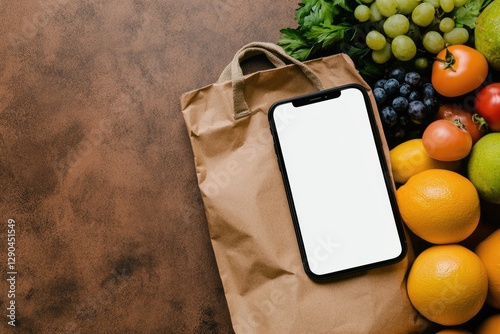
pixel 447 284
pixel 490 325
pixel 453 331
pixel 440 206
pixel 488 251
pixel 410 158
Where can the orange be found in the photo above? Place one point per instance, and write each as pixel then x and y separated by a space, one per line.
pixel 488 251
pixel 453 331
pixel 447 284
pixel 490 325
pixel 410 158
pixel 439 206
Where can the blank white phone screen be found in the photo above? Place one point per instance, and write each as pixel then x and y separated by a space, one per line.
pixel 337 183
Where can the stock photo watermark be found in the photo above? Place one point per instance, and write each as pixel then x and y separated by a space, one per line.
pixel 11 272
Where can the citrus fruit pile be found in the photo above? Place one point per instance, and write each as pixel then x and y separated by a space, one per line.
pixel 452 208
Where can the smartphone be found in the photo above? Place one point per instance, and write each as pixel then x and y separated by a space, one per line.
pixel 337 182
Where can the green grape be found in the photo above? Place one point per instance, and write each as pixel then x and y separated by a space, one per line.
pixel 387 7
pixel 421 63
pixel 375 15
pixel 423 14
pixel 447 5
pixel 403 48
pixel 460 3
pixel 433 42
pixel 434 3
pixel 362 13
pixel 447 24
pixel 407 6
pixel 375 40
pixel 456 36
pixel 396 25
pixel 383 55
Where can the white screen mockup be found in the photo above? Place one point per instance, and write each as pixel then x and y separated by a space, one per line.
pixel 337 183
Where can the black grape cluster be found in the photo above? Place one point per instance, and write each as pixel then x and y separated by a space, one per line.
pixel 406 103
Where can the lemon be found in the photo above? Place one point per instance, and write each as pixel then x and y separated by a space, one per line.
pixel 484 167
pixel 410 158
pixel 447 284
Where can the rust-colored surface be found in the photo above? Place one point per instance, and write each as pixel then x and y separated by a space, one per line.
pixel 95 164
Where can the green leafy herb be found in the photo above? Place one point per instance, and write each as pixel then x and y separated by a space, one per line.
pixel 326 25
pixel 467 14
pixel 329 27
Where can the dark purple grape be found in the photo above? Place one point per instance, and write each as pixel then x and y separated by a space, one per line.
pixel 400 104
pixel 428 90
pixel 398 74
pixel 404 90
pixel 431 103
pixel 380 83
pixel 389 116
pixel 380 96
pixel 413 79
pixel 417 112
pixel 414 96
pixel 391 86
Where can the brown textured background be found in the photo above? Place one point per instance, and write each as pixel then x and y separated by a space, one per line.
pixel 95 163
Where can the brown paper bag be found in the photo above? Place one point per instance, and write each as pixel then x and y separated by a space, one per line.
pixel 249 220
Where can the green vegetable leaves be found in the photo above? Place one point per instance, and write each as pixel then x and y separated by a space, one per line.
pixel 467 14
pixel 327 25
pixel 316 29
pixel 314 13
pixel 295 44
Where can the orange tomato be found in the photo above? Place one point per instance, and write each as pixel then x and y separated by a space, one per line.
pixel 458 70
pixel 447 140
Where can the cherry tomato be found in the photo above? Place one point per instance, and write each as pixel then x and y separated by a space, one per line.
pixel 475 125
pixel 447 140
pixel 487 105
pixel 458 70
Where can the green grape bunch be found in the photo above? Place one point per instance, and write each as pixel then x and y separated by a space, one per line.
pixel 381 34
pixel 408 26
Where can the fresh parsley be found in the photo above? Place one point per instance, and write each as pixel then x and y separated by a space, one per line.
pixel 328 26
pixel 467 14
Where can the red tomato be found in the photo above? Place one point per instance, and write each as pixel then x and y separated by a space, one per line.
pixel 458 70
pixel 487 104
pixel 447 140
pixel 476 127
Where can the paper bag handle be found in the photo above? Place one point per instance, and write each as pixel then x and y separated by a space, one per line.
pixel 226 74
pixel 276 56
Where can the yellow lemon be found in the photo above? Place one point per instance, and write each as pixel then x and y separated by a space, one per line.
pixel 410 158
